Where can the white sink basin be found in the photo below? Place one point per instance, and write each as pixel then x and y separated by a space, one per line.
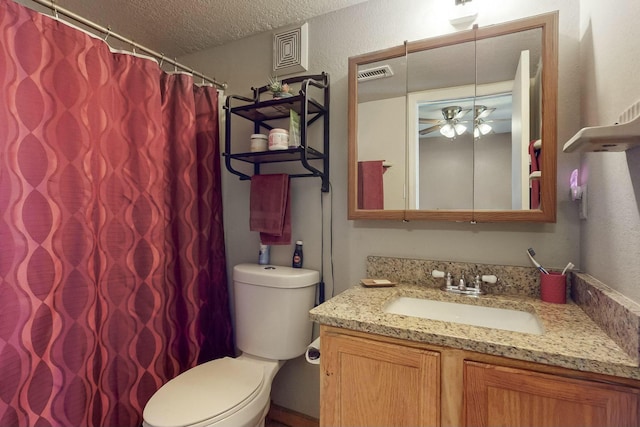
pixel 476 315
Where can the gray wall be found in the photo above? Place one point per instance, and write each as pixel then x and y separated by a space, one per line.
pixel 609 64
pixel 373 25
pixel 334 37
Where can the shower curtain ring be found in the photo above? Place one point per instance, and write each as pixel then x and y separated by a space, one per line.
pixel 108 33
pixel 175 65
pixel 161 59
pixel 55 9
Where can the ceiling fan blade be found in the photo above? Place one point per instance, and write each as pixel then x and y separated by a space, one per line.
pixel 495 120
pixel 430 121
pixel 484 113
pixel 429 129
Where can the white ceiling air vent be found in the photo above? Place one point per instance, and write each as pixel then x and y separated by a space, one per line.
pixel 375 73
pixel 290 51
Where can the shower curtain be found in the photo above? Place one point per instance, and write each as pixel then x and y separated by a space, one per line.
pixel 112 263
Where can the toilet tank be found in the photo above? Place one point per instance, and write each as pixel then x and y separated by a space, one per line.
pixel 272 306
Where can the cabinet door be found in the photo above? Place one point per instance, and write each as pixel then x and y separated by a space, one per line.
pixel 500 396
pixel 371 383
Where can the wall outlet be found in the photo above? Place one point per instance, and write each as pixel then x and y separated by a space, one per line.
pixel 583 203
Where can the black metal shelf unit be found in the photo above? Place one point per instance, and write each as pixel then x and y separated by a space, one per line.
pixel 262 111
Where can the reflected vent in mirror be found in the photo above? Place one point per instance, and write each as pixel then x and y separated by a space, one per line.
pixel 375 73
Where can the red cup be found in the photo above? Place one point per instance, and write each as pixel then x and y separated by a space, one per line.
pixel 553 288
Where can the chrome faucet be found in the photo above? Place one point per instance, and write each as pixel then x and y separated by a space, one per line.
pixel 462 287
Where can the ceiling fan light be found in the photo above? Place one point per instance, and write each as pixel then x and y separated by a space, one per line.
pixel 481 129
pixel 448 131
pixel 460 129
pixel 484 128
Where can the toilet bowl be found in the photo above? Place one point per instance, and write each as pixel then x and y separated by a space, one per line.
pixel 225 392
pixel 272 326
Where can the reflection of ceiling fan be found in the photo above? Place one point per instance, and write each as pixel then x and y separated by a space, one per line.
pixel 480 126
pixel 451 125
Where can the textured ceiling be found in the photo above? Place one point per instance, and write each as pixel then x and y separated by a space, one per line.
pixel 180 27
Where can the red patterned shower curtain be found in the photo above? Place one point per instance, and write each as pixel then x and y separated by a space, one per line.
pixel 112 263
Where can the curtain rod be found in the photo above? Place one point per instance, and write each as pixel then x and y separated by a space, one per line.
pixel 108 33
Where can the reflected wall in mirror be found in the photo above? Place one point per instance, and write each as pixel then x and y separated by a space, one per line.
pixel 440 100
pixel 381 135
pixel 471 104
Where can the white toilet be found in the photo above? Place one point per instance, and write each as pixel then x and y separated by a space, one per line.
pixel 272 306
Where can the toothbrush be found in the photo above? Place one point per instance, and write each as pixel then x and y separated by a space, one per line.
pixel 568 267
pixel 531 253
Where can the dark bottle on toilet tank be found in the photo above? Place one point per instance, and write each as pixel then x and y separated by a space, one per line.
pixel 297 255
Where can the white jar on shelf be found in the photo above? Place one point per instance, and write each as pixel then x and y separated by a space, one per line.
pixel 258 142
pixel 278 139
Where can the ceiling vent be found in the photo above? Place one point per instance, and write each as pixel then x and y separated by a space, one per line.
pixel 375 73
pixel 290 51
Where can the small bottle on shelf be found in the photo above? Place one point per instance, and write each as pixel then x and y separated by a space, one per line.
pixel 297 255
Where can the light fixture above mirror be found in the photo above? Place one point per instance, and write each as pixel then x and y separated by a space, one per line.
pixel 463 13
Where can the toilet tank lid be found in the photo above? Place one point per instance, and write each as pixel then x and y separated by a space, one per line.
pixel 275 276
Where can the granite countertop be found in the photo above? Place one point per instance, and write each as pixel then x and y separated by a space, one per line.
pixel 571 339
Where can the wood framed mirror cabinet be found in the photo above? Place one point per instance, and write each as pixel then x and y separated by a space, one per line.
pixel 460 127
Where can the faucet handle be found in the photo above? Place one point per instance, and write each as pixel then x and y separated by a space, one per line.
pixel 437 273
pixel 489 278
pixel 440 274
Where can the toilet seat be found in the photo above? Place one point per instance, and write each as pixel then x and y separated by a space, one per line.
pixel 205 393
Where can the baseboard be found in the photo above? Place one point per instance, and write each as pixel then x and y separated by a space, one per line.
pixel 291 418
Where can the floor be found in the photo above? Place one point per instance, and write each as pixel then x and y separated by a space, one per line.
pixel 283 417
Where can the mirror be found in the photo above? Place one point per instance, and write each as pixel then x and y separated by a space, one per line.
pixel 443 128
pixel 441 89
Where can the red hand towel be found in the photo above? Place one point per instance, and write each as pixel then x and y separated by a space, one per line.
pixel 270 208
pixel 535 184
pixel 285 237
pixel 370 185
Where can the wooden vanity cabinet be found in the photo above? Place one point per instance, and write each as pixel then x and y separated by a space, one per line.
pixel 370 380
pixel 373 383
pixel 502 396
